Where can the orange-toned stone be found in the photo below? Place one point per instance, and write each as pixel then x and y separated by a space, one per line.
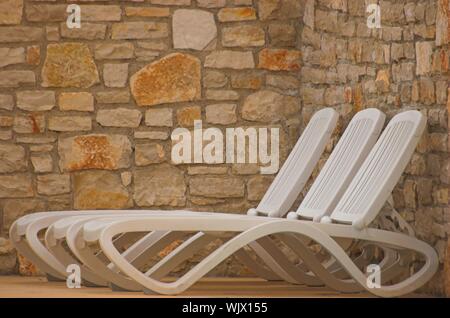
pixel 96 151
pixel 187 115
pixel 348 95
pixel 26 268
pixel 236 14
pixel 279 59
pixel 34 55
pixel 69 65
pixel 147 12
pixel 442 22
pixel 382 81
pixel 358 98
pixel 174 78
pixel 440 61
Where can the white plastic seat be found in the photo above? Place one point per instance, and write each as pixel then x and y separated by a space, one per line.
pixel 355 211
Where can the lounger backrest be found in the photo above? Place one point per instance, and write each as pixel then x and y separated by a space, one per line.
pixel 347 157
pixel 299 165
pixel 381 170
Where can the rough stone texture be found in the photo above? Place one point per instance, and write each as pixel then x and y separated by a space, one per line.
pixel 113 97
pixel 101 12
pixel 30 123
pixel 16 186
pixel 15 208
pixel 33 55
pixel 211 3
pixel 16 78
pixel 174 78
pixel 247 80
pixel 115 75
pixel 282 34
pixel 221 114
pixel 193 29
pixel 70 123
pixel 89 31
pixel 279 9
pixel 279 60
pixel 119 117
pixel 442 22
pixel 82 101
pixel 52 33
pixel 243 36
pixel 53 184
pixel 6 102
pixel 269 106
pixel 12 158
pixel 159 117
pixel 69 65
pixel 42 162
pixel 214 79
pixel 163 185
pixel 11 56
pixel 217 187
pixel 44 12
pixel 20 34
pixel 149 153
pixel 11 11
pixel 157 135
pixel 147 12
pixel 257 187
pixel 123 50
pixel 237 14
pixel 99 190
pixel 217 94
pixel 97 151
pixel 230 59
pixel 139 30
pixel 423 54
pixel 36 100
pixel 187 115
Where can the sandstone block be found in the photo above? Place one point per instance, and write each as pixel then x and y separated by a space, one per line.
pixel 176 77
pixel 96 151
pixel 99 190
pixel 159 186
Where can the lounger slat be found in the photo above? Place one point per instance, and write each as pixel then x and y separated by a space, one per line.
pixel 381 171
pixel 342 165
pixel 299 165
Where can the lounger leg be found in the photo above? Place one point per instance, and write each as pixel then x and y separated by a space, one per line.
pixel 258 269
pixel 179 255
pixel 90 279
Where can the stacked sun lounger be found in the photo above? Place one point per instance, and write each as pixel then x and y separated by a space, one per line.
pixel 345 224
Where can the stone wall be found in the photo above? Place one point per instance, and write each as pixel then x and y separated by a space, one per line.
pixel 403 65
pixel 86 114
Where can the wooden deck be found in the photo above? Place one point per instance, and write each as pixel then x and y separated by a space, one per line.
pixel 38 287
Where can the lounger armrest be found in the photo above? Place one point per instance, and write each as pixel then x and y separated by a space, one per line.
pixel 359 224
pixel 253 212
pixel 326 219
pixel 292 215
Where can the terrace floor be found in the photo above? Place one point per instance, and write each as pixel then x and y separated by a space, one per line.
pixel 38 287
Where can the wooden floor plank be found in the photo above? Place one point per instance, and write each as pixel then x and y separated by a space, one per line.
pixel 38 287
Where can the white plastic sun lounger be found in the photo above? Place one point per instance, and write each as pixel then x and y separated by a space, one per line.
pixel 355 212
pixel 348 155
pixel 295 173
